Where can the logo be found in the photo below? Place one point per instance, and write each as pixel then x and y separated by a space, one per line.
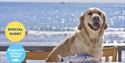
pixel 15 53
pixel 15 31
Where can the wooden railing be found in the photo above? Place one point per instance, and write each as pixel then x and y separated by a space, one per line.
pixel 107 51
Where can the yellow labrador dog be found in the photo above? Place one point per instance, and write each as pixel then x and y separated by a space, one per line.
pixel 88 38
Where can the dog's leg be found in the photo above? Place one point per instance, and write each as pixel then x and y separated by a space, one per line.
pixel 53 57
pixel 62 50
pixel 97 57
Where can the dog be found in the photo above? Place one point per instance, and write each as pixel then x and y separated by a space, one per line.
pixel 86 40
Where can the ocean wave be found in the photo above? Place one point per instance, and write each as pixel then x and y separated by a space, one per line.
pixel 50 33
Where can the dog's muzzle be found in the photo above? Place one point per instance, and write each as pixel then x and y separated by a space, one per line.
pixel 95 23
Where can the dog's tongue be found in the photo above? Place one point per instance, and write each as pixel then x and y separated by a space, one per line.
pixel 97 25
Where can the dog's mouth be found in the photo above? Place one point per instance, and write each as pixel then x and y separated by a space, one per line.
pixel 94 26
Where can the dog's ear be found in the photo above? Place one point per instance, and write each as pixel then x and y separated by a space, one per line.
pixel 105 26
pixel 81 21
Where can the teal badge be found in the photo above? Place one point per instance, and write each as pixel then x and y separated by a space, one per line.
pixel 15 53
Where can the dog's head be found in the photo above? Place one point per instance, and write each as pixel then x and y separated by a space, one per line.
pixel 94 19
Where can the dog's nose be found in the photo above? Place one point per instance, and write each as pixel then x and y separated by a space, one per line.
pixel 96 18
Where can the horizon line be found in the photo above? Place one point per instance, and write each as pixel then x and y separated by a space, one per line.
pixel 59 2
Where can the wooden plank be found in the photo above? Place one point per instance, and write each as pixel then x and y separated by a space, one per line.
pixel 110 51
pixel 36 56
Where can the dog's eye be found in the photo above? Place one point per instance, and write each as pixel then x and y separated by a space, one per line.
pixel 99 13
pixel 90 13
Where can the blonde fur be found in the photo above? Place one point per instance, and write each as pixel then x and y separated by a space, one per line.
pixel 84 41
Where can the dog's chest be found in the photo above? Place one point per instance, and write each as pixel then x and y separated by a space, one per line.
pixel 82 47
pixel 79 47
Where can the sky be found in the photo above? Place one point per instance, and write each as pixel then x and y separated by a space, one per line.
pixel 82 1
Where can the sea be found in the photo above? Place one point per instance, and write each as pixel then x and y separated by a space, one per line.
pixel 48 24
